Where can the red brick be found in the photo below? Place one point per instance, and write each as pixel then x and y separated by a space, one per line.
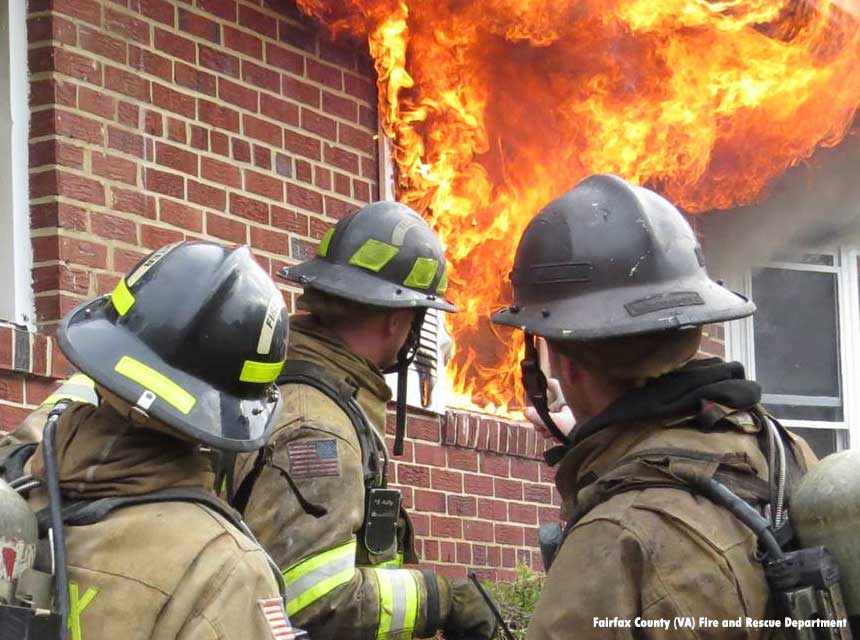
pixel 463 506
pixel 261 76
pixel 180 215
pixel 547 473
pixel 361 88
pixel 249 208
pixel 547 514
pixel 237 95
pixel 218 60
pixel 225 9
pixel 342 184
pixel 262 130
pixel 128 114
pixel 168 184
pixel 127 83
pixel 269 240
pixel 423 428
pixel 199 138
pixel 301 250
pixel 38 390
pixel 339 106
pixel 508 489
pixel 444 480
pixel 75 281
pixel 220 172
pixel 126 26
pixel 369 168
pixel 159 10
pixel 356 138
pixel 218 115
pixel 325 74
pixel 133 202
pixel 444 527
pixel 258 22
pixel 284 112
pixel 77 187
pixel 320 125
pixel 177 131
pixel 413 476
pixel 106 283
pixel 429 501
pixel 429 455
pixel 47 278
pixel 45 248
pixel 102 44
pixel 264 185
pixel 124 260
pixel 41 59
pixel 304 198
pixel 538 493
pixel 226 229
pixel 6 342
pixel 304 171
pixel 86 10
pixel 51 91
pixel 493 509
pixel 300 91
pixel 125 141
pixel 523 513
pixel 11 387
pixel 219 143
pixel 367 117
pixel 193 78
pixel 361 190
pixel 11 417
pixel 171 100
pixel 341 158
pixel 477 530
pixel 207 196
pixel 262 157
pixel 478 484
pixel 243 42
pixel 335 208
pixel 525 469
pixel 241 149
pixel 176 158
pixel 289 220
pixel 107 226
pixel 54 214
pixel 463 459
pixel 85 252
pixel 56 152
pixel 285 59
pixel 322 177
pixel 506 534
pixel 302 145
pixel 297 36
pixel 51 27
pixel 114 168
pixel 156 237
pixel 199 26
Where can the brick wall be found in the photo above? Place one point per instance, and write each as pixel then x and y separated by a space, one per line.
pixel 157 120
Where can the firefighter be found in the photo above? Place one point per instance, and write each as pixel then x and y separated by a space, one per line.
pixel 613 278
pixel 317 496
pixel 181 357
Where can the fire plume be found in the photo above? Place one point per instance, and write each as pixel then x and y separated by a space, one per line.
pixel 495 107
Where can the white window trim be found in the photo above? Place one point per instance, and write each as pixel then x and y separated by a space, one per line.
pixel 16 253
pixel 740 339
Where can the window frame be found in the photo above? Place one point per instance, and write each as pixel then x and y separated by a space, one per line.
pixel 16 252
pixel 740 337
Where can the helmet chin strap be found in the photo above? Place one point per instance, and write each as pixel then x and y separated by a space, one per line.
pixel 404 358
pixel 534 382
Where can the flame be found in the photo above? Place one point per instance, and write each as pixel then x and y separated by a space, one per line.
pixel 495 107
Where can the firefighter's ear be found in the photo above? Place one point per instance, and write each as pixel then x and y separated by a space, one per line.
pixel 397 323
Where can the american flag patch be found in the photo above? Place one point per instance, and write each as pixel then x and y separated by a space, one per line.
pixel 279 623
pixel 313 458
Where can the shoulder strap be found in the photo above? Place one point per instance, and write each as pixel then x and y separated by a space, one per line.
pixel 84 512
pixel 316 376
pixel 13 460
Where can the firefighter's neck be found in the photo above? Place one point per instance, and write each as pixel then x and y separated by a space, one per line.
pixel 376 338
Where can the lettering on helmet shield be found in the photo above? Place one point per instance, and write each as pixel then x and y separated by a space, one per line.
pixel 150 262
pixel 273 312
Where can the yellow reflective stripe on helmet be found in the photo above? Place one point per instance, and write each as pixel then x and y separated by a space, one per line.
pixel 263 372
pixel 122 298
pixel 442 287
pixel 319 575
pixel 373 255
pixel 325 242
pixel 78 388
pixel 398 603
pixel 158 383
pixel 422 273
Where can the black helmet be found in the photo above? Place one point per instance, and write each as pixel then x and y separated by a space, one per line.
pixel 194 336
pixel 384 254
pixel 609 259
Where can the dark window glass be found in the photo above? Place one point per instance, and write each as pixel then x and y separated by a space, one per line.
pixel 823 441
pixel 797 338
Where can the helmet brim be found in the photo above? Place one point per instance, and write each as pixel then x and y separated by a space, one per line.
pixel 359 285
pixel 629 311
pixel 104 351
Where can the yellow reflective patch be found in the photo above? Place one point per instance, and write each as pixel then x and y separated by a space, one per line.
pixel 122 298
pixel 78 388
pixel 325 242
pixel 158 383
pixel 442 287
pixel 317 576
pixel 422 274
pixel 398 603
pixel 263 372
pixel 77 605
pixel 373 255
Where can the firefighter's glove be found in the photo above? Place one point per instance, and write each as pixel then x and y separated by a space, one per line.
pixel 469 617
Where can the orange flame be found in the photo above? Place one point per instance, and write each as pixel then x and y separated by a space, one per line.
pixel 497 106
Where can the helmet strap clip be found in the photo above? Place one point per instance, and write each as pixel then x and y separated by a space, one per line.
pixel 535 385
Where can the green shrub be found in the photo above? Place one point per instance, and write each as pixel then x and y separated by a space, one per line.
pixel 517 600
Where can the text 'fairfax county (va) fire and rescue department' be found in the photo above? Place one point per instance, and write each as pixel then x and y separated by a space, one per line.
pixel 689 622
